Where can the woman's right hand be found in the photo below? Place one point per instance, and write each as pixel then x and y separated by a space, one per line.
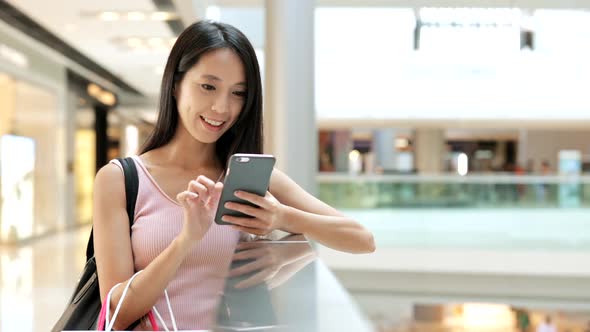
pixel 199 201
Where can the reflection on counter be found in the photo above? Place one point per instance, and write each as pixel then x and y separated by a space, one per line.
pixel 252 295
pixel 275 286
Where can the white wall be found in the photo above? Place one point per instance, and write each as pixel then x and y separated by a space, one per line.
pixel 368 69
pixel 429 87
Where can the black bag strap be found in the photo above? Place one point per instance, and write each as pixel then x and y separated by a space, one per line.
pixel 131 189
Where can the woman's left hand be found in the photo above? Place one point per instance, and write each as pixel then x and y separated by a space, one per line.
pixel 267 215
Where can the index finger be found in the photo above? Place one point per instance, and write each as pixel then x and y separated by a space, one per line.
pixel 210 184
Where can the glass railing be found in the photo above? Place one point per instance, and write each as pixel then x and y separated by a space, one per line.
pixel 454 191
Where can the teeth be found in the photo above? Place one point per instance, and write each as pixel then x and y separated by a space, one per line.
pixel 213 123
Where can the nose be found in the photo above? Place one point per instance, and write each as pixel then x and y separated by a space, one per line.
pixel 221 105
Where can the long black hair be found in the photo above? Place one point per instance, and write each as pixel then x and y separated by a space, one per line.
pixel 245 136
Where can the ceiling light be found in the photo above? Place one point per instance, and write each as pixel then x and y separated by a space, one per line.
pixel 162 16
pixel 109 16
pixel 107 98
pixel 93 89
pixel 135 16
pixel 159 44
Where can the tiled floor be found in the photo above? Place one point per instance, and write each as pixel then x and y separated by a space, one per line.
pixel 36 280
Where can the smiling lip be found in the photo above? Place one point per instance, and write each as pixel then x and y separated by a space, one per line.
pixel 210 126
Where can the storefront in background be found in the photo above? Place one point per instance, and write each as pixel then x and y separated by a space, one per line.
pixel 32 142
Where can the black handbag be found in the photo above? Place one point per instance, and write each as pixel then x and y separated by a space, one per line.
pixel 84 306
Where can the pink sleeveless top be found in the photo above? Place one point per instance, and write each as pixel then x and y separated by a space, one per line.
pixel 194 291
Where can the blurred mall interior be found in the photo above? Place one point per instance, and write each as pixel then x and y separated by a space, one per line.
pixel 457 131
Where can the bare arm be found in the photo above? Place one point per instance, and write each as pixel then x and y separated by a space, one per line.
pixel 296 211
pixel 305 214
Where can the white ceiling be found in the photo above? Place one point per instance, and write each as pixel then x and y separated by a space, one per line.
pixel 96 39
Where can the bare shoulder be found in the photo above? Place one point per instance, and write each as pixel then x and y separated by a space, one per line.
pixel 109 187
pixel 109 175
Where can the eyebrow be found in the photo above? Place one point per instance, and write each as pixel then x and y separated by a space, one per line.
pixel 215 78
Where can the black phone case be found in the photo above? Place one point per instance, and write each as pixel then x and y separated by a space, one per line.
pixel 251 176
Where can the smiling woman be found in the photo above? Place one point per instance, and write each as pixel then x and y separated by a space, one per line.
pixel 210 109
pixel 212 93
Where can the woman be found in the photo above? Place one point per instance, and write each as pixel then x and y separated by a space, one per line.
pixel 210 108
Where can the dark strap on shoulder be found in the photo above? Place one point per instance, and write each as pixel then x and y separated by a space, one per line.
pixel 131 189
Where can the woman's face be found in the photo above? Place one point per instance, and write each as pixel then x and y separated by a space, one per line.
pixel 211 95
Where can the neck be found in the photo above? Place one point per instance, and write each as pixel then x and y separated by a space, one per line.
pixel 187 153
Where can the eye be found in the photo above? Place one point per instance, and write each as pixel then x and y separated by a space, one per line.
pixel 240 93
pixel 207 87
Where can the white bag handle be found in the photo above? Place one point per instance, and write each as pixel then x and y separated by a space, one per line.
pixel 170 311
pixel 110 323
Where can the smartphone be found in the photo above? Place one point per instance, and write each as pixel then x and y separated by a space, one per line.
pixel 245 172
